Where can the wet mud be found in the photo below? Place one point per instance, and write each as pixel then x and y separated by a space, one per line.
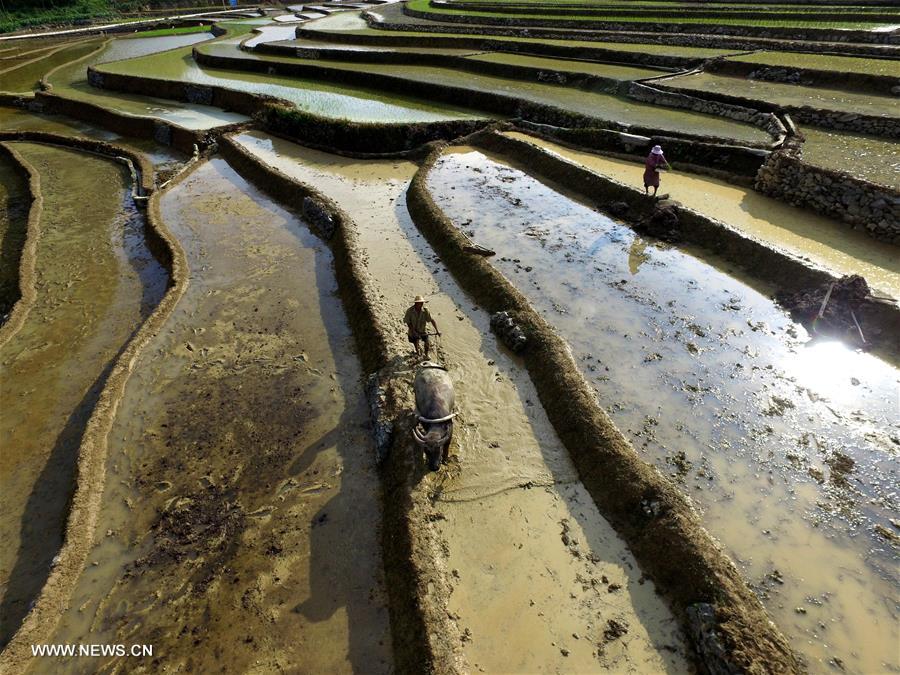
pixel 788 445
pixel 824 241
pixel 55 364
pixel 509 506
pixel 240 524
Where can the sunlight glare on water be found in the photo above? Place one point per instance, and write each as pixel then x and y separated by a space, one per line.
pixel 834 370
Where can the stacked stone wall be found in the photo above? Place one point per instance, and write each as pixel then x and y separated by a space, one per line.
pixel 867 206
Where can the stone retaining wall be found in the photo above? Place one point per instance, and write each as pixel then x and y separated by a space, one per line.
pixel 671 99
pixel 683 40
pixel 861 82
pixel 722 161
pixel 867 206
pixel 873 125
pixel 806 34
pixel 425 639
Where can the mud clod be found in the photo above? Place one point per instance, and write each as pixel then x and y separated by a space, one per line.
pixel 503 324
pixel 662 223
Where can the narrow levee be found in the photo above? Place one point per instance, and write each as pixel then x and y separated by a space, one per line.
pixel 240 524
pixel 511 509
pixel 826 242
pixel 787 444
pixel 95 282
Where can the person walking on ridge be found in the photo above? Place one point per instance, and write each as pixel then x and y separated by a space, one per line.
pixel 416 319
pixel 651 169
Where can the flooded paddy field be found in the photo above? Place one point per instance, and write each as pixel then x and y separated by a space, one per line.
pixel 353 24
pixel 822 240
pixel 95 281
pixel 840 64
pixel 242 518
pixel 590 103
pixel 512 508
pixel 71 82
pixel 241 514
pixel 26 77
pixel 788 94
pixel 874 159
pixel 322 98
pixel 789 446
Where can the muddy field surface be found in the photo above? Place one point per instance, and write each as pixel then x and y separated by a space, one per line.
pixel 95 282
pixel 788 445
pixel 240 525
pixel 824 241
pixel 541 583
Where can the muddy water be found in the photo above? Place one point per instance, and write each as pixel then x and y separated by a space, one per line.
pixel 613 71
pixel 874 159
pixel 349 22
pixel 590 103
pixel 241 513
pixel 840 64
pixel 95 283
pixel 788 446
pixel 71 82
pixel 825 241
pixel 15 203
pixel 538 573
pixel 164 159
pixel 321 98
pixel 789 94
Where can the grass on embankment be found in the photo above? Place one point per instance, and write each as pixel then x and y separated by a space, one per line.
pixel 180 30
pixel 443 12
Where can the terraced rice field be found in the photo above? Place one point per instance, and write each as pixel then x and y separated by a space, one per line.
pixel 828 62
pixel 789 95
pixel 674 422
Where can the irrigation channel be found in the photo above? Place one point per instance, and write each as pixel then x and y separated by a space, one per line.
pixel 209 239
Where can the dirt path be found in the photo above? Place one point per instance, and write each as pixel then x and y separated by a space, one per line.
pixel 541 582
pixel 825 241
pixel 241 518
pixel 779 439
pixel 95 282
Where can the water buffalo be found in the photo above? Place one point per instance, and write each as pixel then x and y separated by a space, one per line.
pixel 434 406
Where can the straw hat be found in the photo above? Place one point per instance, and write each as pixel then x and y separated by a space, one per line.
pixel 418 299
pixel 657 150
